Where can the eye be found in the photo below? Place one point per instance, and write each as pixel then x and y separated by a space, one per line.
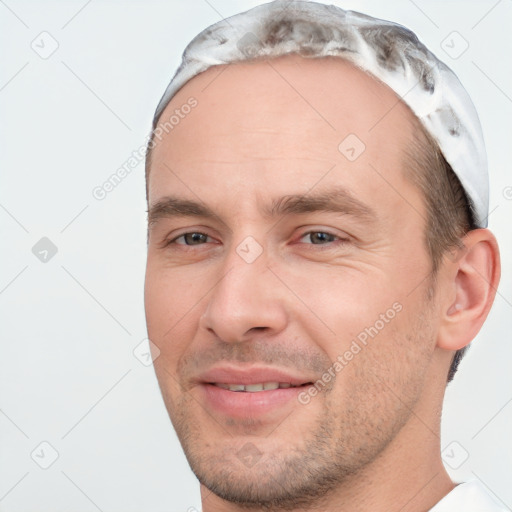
pixel 320 237
pixel 192 238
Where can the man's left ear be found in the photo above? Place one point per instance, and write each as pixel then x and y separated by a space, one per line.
pixel 473 276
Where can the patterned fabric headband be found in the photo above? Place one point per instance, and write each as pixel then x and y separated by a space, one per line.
pixel 388 51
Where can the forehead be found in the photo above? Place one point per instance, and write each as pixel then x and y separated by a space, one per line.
pixel 285 121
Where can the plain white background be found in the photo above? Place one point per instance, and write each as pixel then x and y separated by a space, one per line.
pixel 68 373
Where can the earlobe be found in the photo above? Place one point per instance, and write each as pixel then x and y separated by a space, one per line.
pixel 474 277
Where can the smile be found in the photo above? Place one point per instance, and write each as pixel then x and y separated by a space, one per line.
pixel 255 388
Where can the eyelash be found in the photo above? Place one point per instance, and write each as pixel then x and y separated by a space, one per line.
pixel 339 241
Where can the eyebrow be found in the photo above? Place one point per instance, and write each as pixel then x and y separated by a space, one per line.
pixel 337 200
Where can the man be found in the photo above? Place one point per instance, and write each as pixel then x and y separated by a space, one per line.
pixel 318 260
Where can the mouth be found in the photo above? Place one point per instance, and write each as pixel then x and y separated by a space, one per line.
pixel 251 391
pixel 268 401
pixel 256 388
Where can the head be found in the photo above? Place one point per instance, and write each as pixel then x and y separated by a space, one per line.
pixel 305 228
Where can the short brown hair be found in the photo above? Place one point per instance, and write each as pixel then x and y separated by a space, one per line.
pixel 449 212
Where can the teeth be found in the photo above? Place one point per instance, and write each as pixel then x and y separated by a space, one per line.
pixel 236 387
pixel 254 388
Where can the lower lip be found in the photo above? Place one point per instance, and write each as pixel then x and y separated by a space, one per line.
pixel 244 404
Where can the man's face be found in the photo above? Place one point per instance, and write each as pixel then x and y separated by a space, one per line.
pixel 314 255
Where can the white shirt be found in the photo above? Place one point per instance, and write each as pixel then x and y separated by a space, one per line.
pixel 469 497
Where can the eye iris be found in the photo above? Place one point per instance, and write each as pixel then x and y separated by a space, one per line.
pixel 194 238
pixel 319 237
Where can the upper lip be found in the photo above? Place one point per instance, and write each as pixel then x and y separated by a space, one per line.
pixel 226 374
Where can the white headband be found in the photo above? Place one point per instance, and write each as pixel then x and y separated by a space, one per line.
pixel 387 50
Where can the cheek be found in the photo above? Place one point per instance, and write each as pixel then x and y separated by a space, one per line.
pixel 368 323
pixel 172 300
pixel 391 362
pixel 344 301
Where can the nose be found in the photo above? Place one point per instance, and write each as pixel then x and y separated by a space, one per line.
pixel 246 300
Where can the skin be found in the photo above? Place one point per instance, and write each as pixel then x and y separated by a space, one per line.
pixel 370 440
